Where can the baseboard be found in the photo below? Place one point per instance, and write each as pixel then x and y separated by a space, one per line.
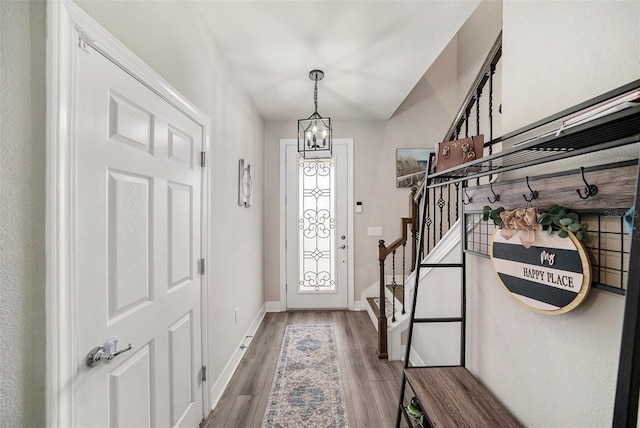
pixel 273 307
pixel 414 358
pixel 358 305
pixel 229 369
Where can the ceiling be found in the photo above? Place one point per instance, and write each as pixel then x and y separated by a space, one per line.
pixel 372 52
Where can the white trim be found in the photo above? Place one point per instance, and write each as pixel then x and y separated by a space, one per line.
pixel 223 380
pixel 60 365
pixel 351 224
pixel 205 243
pixel 358 305
pixel 66 22
pixel 283 225
pixel 350 220
pixel 414 358
pixel 272 307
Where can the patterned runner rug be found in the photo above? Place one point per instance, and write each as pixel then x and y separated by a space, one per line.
pixel 307 389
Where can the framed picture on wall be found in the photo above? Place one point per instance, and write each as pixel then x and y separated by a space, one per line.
pixel 244 184
pixel 411 165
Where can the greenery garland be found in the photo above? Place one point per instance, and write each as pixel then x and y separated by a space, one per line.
pixel 555 218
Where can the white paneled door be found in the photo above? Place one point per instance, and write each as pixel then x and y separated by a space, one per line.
pixel 138 227
pixel 317 229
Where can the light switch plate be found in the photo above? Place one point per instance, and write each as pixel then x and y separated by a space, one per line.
pixel 374 231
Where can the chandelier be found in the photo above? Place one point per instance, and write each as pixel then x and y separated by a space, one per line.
pixel 314 133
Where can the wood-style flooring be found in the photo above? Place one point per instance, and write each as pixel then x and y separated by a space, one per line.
pixel 371 385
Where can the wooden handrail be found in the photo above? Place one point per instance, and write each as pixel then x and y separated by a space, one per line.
pixel 383 253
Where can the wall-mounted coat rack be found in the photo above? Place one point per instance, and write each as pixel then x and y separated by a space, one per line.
pixel 615 190
pixel 533 194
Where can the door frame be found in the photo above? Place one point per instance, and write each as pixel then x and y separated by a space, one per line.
pixel 66 22
pixel 283 223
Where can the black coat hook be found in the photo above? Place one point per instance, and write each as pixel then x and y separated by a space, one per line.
pixel 496 198
pixel 469 198
pixel 533 194
pixel 589 189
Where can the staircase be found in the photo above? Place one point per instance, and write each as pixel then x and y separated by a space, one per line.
pixel 441 204
pixel 447 249
pixel 395 285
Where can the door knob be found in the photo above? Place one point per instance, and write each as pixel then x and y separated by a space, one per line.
pixel 342 247
pixel 106 352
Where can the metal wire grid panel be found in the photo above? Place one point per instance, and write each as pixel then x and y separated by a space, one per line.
pixel 607 243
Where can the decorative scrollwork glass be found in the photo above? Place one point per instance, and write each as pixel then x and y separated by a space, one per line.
pixel 316 223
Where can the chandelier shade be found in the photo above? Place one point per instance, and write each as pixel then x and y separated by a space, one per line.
pixel 315 132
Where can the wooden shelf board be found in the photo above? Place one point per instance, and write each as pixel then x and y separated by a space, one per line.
pixel 453 397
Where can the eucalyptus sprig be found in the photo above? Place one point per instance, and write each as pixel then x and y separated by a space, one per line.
pixel 488 213
pixel 554 218
pixel 557 218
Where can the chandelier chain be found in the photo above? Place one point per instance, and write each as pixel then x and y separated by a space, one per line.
pixel 315 95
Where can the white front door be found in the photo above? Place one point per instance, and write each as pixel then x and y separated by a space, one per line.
pixel 317 229
pixel 138 185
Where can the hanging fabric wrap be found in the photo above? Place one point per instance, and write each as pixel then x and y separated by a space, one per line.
pixel 520 221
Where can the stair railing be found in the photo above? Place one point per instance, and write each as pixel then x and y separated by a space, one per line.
pixel 439 196
pixel 409 230
pixel 443 200
pixel 472 101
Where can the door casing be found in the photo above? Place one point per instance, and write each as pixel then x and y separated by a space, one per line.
pixel 65 23
pixel 283 235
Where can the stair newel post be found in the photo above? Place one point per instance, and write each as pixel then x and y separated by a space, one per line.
pixel 382 318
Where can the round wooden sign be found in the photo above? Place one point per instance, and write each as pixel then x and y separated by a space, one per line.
pixel 553 276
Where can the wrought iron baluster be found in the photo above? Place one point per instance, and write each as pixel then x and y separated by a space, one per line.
pixel 421 230
pixel 492 70
pixel 448 206
pixel 434 218
pixel 427 221
pixel 466 121
pixel 404 272
pixel 478 95
pixel 394 284
pixel 441 204
pixel 457 200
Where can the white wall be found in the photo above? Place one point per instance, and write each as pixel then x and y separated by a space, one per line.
pixel 22 202
pixel 172 39
pixel 554 371
pixel 558 54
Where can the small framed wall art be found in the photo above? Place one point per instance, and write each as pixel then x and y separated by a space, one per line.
pixel 244 184
pixel 411 165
